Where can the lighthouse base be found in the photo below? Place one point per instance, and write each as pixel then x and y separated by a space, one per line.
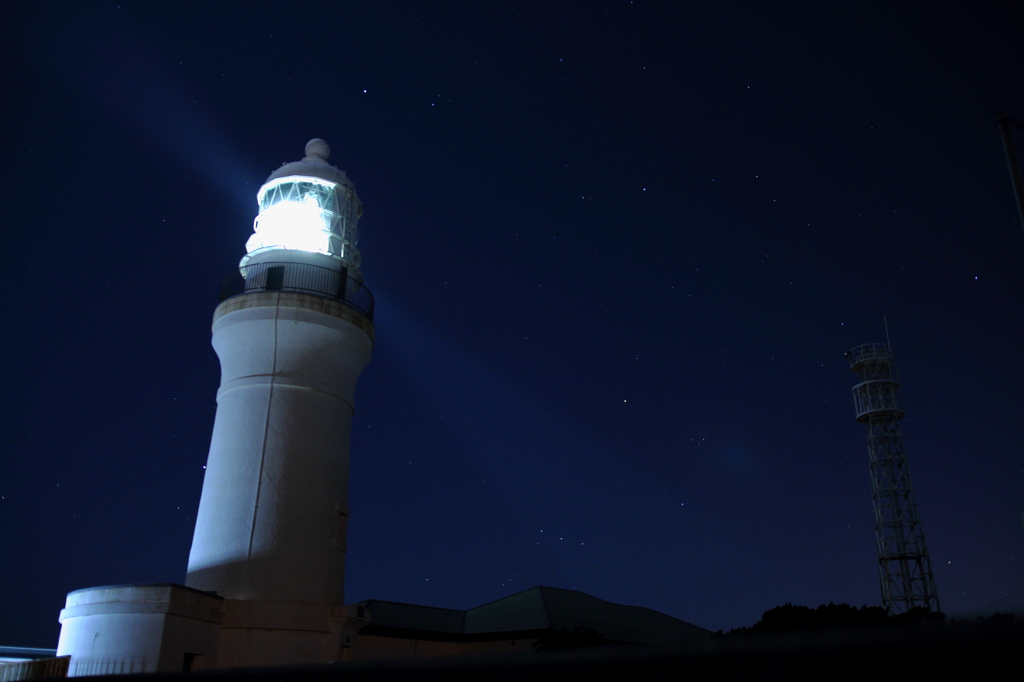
pixel 170 628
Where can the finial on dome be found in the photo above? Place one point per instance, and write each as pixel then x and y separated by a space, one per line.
pixel 317 149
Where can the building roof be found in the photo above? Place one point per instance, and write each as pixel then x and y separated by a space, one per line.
pixel 533 610
pixel 391 614
pixel 16 654
pixel 313 165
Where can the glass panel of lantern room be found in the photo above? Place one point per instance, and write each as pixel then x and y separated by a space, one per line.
pixel 296 214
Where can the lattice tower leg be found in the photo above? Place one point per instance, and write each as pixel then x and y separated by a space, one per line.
pixel 904 567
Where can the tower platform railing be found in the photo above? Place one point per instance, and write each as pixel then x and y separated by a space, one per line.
pixel 876 395
pixel 302 278
pixel 869 353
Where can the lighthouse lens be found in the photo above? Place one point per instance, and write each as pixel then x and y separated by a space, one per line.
pixel 299 215
pixel 294 225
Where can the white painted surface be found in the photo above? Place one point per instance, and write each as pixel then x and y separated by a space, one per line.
pixel 271 522
pixel 166 628
pixel 271 529
pixel 137 628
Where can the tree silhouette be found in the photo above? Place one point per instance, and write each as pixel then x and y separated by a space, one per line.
pixel 792 618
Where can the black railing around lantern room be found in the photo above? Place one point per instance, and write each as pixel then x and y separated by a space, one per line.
pixel 302 278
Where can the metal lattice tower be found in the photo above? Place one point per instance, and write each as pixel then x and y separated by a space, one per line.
pixel 904 568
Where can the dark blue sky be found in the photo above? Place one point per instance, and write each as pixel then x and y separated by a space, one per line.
pixel 619 250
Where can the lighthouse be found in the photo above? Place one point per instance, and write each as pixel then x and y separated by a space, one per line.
pixel 292 336
pixel 265 580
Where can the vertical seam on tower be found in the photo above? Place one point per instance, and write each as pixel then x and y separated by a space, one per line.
pixel 266 430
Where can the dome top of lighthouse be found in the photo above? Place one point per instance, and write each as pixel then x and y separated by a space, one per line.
pixel 314 165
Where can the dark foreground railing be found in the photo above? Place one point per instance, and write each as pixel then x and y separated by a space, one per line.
pixel 42 668
pixel 299 277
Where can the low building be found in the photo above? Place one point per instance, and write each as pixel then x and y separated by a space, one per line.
pixel 173 628
pixel 547 616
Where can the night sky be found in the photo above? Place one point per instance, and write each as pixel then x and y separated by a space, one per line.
pixel 618 248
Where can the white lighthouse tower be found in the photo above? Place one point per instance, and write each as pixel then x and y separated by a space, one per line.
pixel 265 581
pixel 271 523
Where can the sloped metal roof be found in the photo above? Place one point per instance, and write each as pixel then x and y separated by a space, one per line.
pixel 536 609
